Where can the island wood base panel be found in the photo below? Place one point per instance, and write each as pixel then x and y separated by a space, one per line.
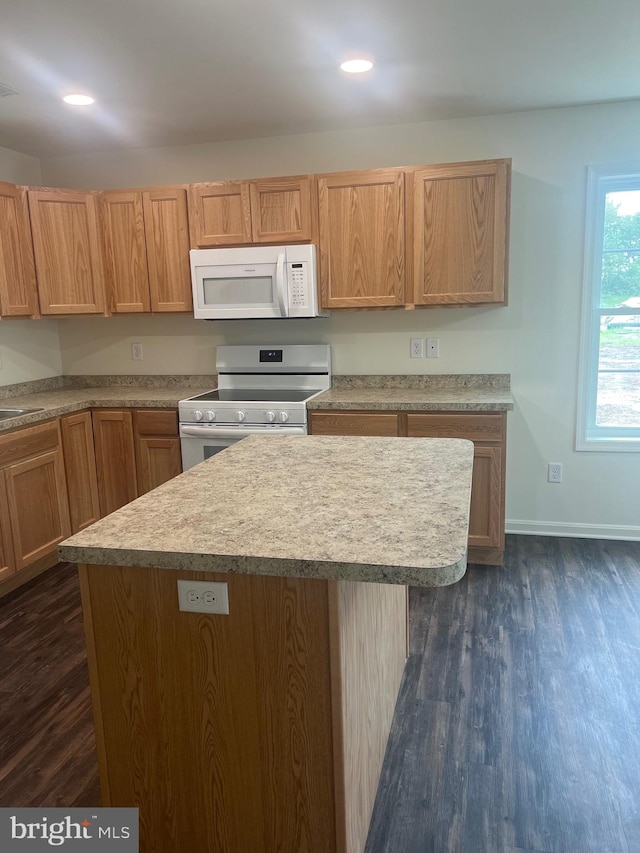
pixel 258 731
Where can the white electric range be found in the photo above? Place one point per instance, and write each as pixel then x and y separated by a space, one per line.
pixel 261 390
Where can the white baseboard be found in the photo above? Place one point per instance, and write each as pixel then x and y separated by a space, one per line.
pixel 584 531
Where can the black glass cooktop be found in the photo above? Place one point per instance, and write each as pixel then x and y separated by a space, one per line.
pixel 249 395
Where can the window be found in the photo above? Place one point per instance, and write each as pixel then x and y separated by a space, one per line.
pixel 609 401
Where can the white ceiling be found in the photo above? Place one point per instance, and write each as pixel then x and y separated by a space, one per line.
pixel 171 72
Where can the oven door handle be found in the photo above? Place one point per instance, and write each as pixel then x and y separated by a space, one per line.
pixel 206 431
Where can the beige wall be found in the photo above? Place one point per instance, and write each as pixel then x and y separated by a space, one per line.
pixel 536 338
pixel 19 168
pixel 29 349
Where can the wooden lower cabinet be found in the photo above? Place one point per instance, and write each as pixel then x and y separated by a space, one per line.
pixel 488 433
pixel 60 476
pixel 354 423
pixel 34 513
pixel 115 458
pixel 158 456
pixel 7 563
pixel 80 468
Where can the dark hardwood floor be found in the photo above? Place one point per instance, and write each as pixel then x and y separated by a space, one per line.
pixel 47 743
pixel 518 723
pixel 517 728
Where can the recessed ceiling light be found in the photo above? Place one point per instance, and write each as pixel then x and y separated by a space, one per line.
pixel 356 66
pixel 78 100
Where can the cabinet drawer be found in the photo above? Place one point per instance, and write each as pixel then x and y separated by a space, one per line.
pixel 470 426
pixel 29 441
pixel 354 423
pixel 157 422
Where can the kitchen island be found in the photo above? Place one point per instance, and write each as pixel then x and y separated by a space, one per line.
pixel 265 729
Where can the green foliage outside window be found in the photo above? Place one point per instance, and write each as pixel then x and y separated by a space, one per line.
pixel 620 257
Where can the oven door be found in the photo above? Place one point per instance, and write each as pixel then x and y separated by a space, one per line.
pixel 202 441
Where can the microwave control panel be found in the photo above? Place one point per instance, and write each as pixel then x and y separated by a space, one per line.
pixel 297 275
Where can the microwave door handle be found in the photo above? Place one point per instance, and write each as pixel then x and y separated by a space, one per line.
pixel 283 297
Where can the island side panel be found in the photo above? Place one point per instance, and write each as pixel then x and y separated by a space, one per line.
pixel 200 714
pixel 291 623
pixel 368 655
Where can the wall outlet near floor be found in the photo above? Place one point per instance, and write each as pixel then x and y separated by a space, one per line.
pixel 433 347
pixel 417 348
pixel 136 352
pixel 203 597
pixel 554 472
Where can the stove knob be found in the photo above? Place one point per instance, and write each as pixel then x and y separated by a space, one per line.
pixel 240 416
pixel 210 416
pixel 283 417
pixel 270 416
pixel 198 415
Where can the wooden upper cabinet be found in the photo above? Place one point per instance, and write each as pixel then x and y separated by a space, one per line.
pixel 219 214
pixel 125 252
pixel 236 213
pixel 66 246
pixel 146 250
pixel 362 239
pixel 281 210
pixel 166 227
pixel 460 214
pixel 18 296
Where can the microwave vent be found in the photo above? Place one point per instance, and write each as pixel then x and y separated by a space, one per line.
pixel 7 90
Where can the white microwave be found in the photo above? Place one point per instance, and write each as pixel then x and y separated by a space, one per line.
pixel 254 282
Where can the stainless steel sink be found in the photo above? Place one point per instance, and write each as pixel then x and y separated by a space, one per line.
pixel 5 414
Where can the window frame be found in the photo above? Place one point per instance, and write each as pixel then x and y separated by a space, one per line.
pixel 601 180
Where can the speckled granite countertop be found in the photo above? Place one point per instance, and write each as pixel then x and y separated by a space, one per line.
pixel 443 393
pixel 161 392
pixel 351 508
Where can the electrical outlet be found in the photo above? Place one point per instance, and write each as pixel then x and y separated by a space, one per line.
pixel 136 352
pixel 203 597
pixel 417 348
pixel 554 472
pixel 433 347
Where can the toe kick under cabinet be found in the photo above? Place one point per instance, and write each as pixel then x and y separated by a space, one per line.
pixel 487 431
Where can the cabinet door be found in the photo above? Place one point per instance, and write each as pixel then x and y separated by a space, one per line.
pixel 159 460
pixel 353 423
pixel 66 246
pixel 166 228
pixel 362 243
pixel 125 252
pixel 486 519
pixel 80 469
pixel 18 296
pixel 220 214
pixel 38 510
pixel 115 458
pixel 158 455
pixel 281 209
pixel 460 229
pixel 488 433
pixel 7 563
